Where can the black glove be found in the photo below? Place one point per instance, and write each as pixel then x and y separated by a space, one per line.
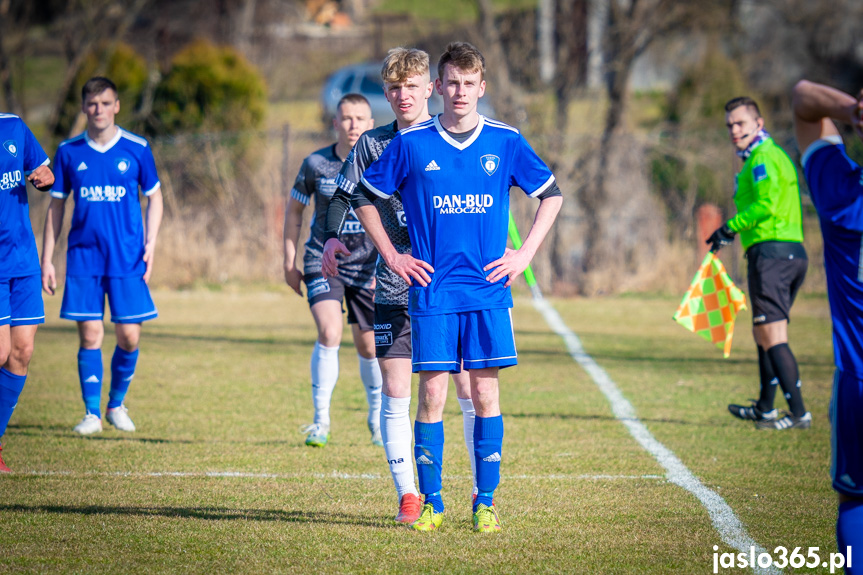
pixel 722 237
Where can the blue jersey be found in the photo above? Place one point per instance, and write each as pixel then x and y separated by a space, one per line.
pixel 456 202
pixel 836 185
pixel 21 154
pixel 107 233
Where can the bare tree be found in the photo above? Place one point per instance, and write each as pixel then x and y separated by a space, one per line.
pixel 506 94
pixel 13 41
pixel 571 57
pixel 633 25
pixel 85 25
pixel 245 27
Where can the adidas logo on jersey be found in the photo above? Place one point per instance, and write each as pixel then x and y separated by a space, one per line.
pixel 423 460
pixel 82 166
pixel 493 458
pixel 92 379
pixel 432 166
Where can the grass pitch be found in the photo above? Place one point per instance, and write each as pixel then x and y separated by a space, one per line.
pixel 217 478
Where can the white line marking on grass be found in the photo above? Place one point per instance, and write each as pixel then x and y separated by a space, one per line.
pixel 730 529
pixel 333 475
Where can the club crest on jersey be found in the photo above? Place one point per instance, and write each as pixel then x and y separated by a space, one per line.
pixel 11 147
pixel 489 163
pixel 123 165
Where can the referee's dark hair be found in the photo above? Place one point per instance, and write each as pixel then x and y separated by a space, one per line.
pixel 734 103
pixel 97 85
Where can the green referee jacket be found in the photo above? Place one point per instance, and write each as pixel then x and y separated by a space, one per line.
pixel 767 198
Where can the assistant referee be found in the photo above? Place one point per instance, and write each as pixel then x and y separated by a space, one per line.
pixel 769 222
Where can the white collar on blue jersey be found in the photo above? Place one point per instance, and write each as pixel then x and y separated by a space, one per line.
pixel 455 143
pixel 833 140
pixel 92 143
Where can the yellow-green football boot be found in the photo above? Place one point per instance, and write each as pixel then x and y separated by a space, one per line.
pixel 428 520
pixel 485 519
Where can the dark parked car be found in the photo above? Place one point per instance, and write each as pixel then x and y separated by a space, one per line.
pixel 365 79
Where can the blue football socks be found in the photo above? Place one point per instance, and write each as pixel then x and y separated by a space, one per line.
pixel 488 442
pixel 428 452
pixel 10 389
pixel 90 375
pixel 849 532
pixel 122 371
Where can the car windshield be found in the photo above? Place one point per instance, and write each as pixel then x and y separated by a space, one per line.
pixel 371 85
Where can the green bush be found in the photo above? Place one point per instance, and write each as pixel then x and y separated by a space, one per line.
pixel 209 88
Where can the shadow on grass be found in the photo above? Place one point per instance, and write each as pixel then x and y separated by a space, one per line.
pixel 24 430
pixel 160 334
pixel 627 356
pixel 578 417
pixel 203 513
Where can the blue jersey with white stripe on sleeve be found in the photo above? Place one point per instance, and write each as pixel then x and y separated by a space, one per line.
pixel 107 233
pixel 836 186
pixel 456 202
pixel 21 154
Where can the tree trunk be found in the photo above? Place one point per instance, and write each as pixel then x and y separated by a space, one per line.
pixel 12 104
pixel 545 33
pixel 505 93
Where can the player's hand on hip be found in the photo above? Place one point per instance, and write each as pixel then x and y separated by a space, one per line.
pixel 512 263
pixel 293 278
pixel 42 178
pixel 49 278
pixel 409 269
pixel 329 264
pixel 149 253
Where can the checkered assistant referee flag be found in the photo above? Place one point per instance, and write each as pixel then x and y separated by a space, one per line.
pixel 711 303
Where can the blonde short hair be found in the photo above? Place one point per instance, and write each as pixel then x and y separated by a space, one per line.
pixel 402 63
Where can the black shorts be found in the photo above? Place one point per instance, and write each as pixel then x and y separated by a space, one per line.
pixel 776 271
pixel 392 331
pixel 360 301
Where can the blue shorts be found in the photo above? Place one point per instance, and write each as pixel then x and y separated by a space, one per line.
pixel 21 301
pixel 846 417
pixel 480 339
pixel 129 298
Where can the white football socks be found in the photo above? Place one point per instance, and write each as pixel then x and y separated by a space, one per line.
pixel 325 373
pixel 468 414
pixel 370 373
pixel 398 436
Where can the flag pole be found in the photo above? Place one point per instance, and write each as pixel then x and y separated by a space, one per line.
pixel 528 273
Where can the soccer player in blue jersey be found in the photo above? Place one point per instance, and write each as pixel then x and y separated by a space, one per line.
pixel 407 86
pixel 454 173
pixel 110 249
pixel 836 187
pixel 317 179
pixel 21 311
